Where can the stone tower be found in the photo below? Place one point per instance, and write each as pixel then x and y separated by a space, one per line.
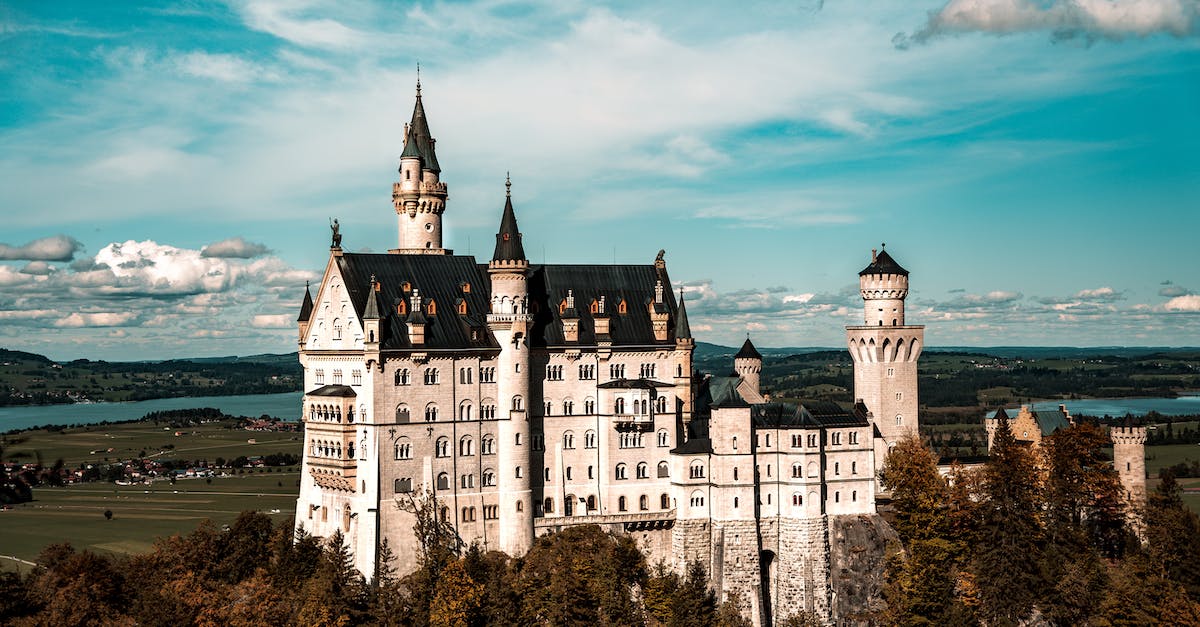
pixel 419 197
pixel 885 351
pixel 509 321
pixel 748 364
pixel 1129 458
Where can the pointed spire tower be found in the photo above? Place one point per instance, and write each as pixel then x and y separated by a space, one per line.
pixel 306 309
pixel 419 197
pixel 510 322
pixel 748 364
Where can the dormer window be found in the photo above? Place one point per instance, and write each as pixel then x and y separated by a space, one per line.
pixel 432 308
pixel 406 287
pixel 622 308
pixel 466 288
pixel 504 237
pixel 562 307
pixel 462 307
pixel 594 307
pixel 402 307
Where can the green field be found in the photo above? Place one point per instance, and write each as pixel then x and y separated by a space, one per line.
pixel 91 444
pixel 141 513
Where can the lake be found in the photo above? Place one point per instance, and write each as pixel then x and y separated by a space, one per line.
pixel 1120 406
pixel 285 406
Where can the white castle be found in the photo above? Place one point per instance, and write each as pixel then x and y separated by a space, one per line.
pixel 532 397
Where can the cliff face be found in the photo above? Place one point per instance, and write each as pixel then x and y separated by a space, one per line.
pixel 858 549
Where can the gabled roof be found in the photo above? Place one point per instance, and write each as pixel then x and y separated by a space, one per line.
pixel 343 391
pixel 508 238
pixel 809 415
pixel 306 307
pixel 748 351
pixel 883 264
pixel 419 142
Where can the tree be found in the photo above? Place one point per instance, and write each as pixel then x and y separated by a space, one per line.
pixel 458 599
pixel 1173 536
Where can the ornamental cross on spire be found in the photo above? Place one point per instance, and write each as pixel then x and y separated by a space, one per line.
pixel 507 185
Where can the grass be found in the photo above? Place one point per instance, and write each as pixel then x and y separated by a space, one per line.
pixel 141 513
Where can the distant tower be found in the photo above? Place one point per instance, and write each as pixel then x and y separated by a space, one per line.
pixel 509 321
pixel 885 351
pixel 748 364
pixel 419 197
pixel 1129 458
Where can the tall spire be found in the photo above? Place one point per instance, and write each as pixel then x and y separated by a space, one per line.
pixel 683 331
pixel 508 239
pixel 371 311
pixel 306 307
pixel 419 142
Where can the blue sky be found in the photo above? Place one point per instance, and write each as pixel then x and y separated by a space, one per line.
pixel 166 174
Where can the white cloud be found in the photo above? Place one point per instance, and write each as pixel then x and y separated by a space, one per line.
pixel 234 247
pixel 220 67
pixel 54 248
pixel 1112 19
pixel 273 321
pixel 1188 303
pixel 1100 294
pixel 106 319
pixel 38 268
pixel 286 21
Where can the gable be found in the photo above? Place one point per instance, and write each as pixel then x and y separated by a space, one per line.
pixel 335 323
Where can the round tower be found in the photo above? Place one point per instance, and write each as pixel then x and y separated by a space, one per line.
pixel 1129 458
pixel 419 197
pixel 748 364
pixel 509 322
pixel 885 351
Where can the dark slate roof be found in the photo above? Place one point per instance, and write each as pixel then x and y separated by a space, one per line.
pixel 1051 420
pixel 306 307
pixel 548 285
pixel 438 278
pixel 634 384
pixel 344 391
pixel 748 351
pixel 808 415
pixel 884 264
pixel 682 329
pixel 419 142
pixel 371 310
pixel 508 238
pixel 1000 413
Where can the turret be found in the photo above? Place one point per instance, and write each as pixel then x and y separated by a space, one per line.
pixel 748 364
pixel 371 317
pixel 510 322
pixel 419 197
pixel 884 286
pixel 306 309
pixel 1129 459
pixel 684 347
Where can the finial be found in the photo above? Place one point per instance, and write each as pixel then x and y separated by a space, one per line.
pixel 306 285
pixel 882 245
pixel 372 279
pixel 507 185
pixel 418 79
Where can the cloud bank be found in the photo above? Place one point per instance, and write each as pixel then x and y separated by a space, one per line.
pixel 54 248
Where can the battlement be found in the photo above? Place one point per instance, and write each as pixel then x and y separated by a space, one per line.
pixel 1128 434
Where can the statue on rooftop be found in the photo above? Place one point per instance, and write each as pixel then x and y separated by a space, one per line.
pixel 337 235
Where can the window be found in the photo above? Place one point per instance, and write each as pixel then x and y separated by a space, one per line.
pixel 487 375
pixel 660 405
pixel 465 375
pixel 812 440
pixel 554 373
pixel 548 506
pixel 517 439
pixel 547 475
pixel 735 502
pixel 646 371
pixel 735 442
pixel 517 403
pixel 797 499
pixel 431 376
pixel 442 448
pixel 619 406
pixel 568 473
pixel 549 409
pixel 589 407
pixel 891 372
pixel 643 471
pixel 591 473
pixel 520 505
pixel 403 377
pixel 697 499
pixel 466 447
pixel 487 446
pixel 631 440
pixel 518 475
pixel 620 473
pixel 616 371
pixel 854 468
pixel 696 471
pixel 591 502
pixel 837 468
pixel 468 514
pixel 735 473
pixel 899 396
pixel 568 439
pixel 488 478
pixel 589 439
pixel 797 441
pixel 854 495
pixel 443 481
pixel 854 437
pixel 663 438
pixel 587 372
pixel 568 408
pixel 643 502
pixel 337 329
pixel 621 504
pixel 319 375
pixel 797 471
pixel 467 480
pixel 899 420
pixel 402 416
pixel 664 470
pixel 403 449
pixel 538 444
pixel 837 497
pixel 402 486
pixel 431 413
pixel 491 512
pixel 337 377
pixel 487 412
pixel 835 438
pixel 356 377
pixel 664 501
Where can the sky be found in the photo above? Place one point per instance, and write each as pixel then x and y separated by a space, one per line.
pixel 168 172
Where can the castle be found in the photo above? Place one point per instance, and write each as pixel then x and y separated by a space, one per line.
pixel 532 397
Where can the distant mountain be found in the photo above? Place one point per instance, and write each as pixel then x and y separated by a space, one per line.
pixel 15 356
pixel 705 350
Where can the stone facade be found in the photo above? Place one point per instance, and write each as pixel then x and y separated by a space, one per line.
pixel 529 398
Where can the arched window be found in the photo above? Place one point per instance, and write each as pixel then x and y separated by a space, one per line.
pixel 591 502
pixel 489 478
pixel 660 405
pixel 464 375
pixel 487 446
pixel 697 499
pixel 589 406
pixel 403 377
pixel 664 501
pixel 735 502
pixel 696 471
pixel 403 449
pixel 467 480
pixel 517 403
pixel 568 408
pixel 443 481
pixel 619 406
pixel 549 409
pixel 568 439
pixel 643 471
pixel 621 504
pixel 812 469
pixel 431 376
pixel 663 438
pixel 402 416
pixel 464 411
pixel 569 505
pixel 620 472
pixel 442 448
pixel 431 413
pixel 643 502
pixel 346 516
pixel 664 470
pixel 589 439
pixel 899 420
pixel 548 506
pixel 466 447
pixel 797 499
pixel 797 470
